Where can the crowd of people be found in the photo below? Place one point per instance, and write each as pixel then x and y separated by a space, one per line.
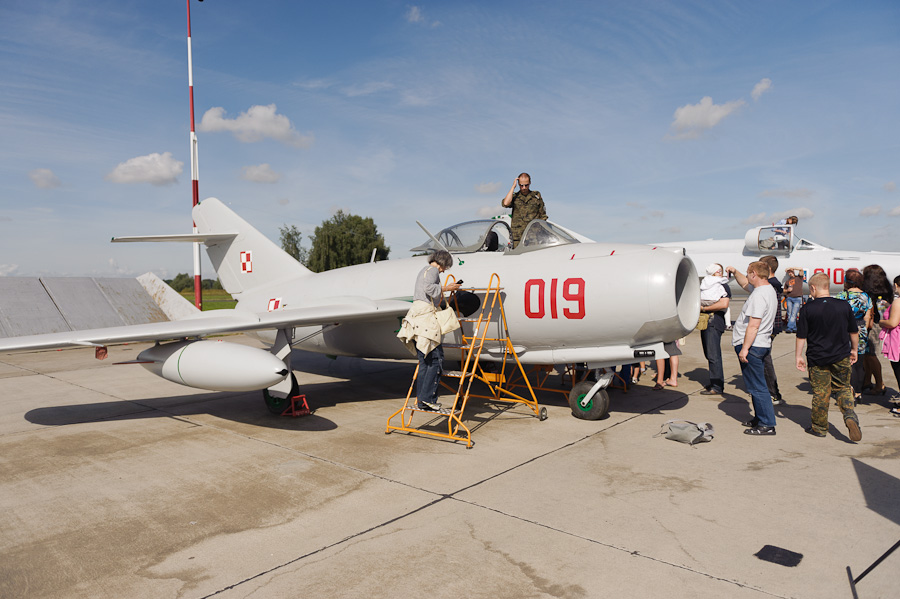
pixel 841 335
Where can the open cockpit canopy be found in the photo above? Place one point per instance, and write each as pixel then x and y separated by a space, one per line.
pixel 494 236
pixel 471 236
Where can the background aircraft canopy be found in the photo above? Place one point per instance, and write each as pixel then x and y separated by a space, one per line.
pixel 769 240
pixel 777 240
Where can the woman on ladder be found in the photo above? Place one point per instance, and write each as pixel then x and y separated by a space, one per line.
pixel 420 326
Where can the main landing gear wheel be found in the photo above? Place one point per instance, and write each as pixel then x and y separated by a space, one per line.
pixel 278 405
pixel 585 406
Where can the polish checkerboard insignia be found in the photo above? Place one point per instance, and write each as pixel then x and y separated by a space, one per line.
pixel 246 262
pixel 274 304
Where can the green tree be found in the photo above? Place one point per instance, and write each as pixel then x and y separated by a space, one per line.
pixel 290 243
pixel 181 282
pixel 345 239
pixel 185 282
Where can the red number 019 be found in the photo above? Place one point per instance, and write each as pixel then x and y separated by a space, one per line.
pixel 572 292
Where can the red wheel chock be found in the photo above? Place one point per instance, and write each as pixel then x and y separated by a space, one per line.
pixel 298 407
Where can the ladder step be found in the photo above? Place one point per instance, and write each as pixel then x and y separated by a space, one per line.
pixel 494 377
pixel 444 411
pixel 456 374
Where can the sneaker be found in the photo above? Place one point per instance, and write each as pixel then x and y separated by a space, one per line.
pixel 760 431
pixel 430 406
pixel 778 402
pixel 710 391
pixel 751 423
pixel 814 432
pixel 853 427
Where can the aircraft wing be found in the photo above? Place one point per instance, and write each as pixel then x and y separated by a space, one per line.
pixel 343 309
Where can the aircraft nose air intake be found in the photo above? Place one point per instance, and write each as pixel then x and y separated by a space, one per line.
pixel 674 287
pixel 687 294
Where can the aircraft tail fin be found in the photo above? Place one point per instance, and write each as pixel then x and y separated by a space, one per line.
pixel 246 259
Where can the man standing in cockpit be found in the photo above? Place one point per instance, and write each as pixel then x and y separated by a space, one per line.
pixel 527 205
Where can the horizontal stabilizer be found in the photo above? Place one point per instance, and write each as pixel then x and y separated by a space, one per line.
pixel 208 239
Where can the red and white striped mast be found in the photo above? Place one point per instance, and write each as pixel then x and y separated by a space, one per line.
pixel 198 295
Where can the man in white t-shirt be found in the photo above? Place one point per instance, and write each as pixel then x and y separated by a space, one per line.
pixel 752 341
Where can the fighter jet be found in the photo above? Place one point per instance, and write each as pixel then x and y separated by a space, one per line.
pixel 566 301
pixel 791 250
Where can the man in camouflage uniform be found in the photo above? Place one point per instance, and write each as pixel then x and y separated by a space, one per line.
pixel 527 205
pixel 829 328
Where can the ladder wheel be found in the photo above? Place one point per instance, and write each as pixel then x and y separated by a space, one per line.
pixel 587 407
pixel 542 415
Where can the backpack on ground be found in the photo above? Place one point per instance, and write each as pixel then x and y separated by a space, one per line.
pixel 688 432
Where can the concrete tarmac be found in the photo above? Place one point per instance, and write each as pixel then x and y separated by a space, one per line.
pixel 115 483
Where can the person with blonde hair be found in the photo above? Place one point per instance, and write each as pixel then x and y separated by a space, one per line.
pixel 829 329
pixel 751 337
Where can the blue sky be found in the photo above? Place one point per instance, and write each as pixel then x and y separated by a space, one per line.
pixel 639 121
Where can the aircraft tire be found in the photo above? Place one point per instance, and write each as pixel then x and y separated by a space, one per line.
pixel 277 405
pixel 596 408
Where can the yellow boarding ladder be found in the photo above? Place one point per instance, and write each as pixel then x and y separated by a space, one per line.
pixel 471 347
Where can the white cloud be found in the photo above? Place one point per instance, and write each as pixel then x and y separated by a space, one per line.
pixel 673 230
pixel 800 213
pixel 365 89
pixel 7 270
pixel 156 169
pixel 491 211
pixel 800 193
pixel 692 120
pixel 894 211
pixel 43 178
pixel 313 84
pixel 261 173
pixel 488 188
pixel 870 211
pixel 763 218
pixel 257 124
pixel 755 219
pixel 760 88
pixel 283 201
pixel 889 187
pixel 415 15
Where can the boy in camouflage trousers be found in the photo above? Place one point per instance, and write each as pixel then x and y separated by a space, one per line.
pixel 828 327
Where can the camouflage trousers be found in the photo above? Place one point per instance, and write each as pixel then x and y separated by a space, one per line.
pixel 825 380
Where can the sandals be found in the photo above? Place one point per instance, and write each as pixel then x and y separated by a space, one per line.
pixel 658 387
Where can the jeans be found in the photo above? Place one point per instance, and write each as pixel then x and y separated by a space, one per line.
pixel 711 338
pixel 793 308
pixel 771 378
pixel 430 369
pixel 755 382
